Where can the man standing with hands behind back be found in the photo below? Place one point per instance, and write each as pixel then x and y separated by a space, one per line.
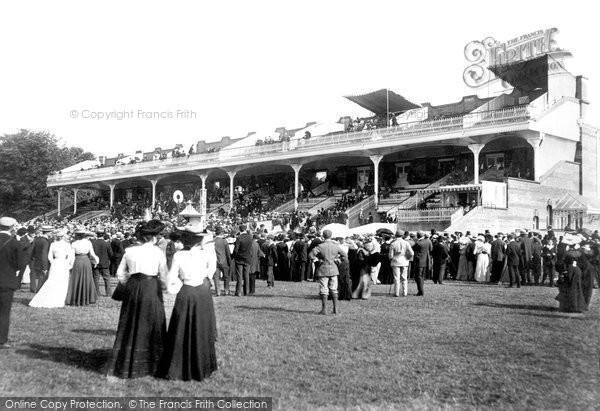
pixel 9 264
pixel 328 253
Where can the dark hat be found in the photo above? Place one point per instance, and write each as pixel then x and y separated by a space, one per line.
pixel 152 227
pixel 21 231
pixel 31 229
pixel 399 233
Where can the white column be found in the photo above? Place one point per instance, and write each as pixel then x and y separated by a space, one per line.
pixel 75 191
pixel 376 159
pixel 231 175
pixel 58 192
pixel 153 182
pixel 476 149
pixel 296 168
pixel 202 207
pixel 535 142
pixel 112 195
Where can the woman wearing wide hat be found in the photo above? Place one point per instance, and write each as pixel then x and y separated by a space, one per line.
pixel 82 290
pixel 142 327
pixel 190 350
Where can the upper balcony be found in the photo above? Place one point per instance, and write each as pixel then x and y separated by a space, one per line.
pixel 472 124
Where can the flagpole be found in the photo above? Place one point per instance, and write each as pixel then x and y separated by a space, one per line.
pixel 387 98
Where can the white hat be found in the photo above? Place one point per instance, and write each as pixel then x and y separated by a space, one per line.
pixel 8 222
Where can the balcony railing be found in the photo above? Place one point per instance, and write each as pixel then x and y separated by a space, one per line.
pixel 430 215
pixel 340 140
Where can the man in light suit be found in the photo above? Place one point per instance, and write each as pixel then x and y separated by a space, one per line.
pixel 9 264
pixel 328 254
pixel 39 260
pixel 400 254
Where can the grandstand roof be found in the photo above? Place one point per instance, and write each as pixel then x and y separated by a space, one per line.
pixel 377 102
pixel 524 75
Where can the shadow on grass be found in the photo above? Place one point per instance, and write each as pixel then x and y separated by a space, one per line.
pixel 96 332
pixel 22 300
pixel 519 306
pixel 94 360
pixel 558 314
pixel 298 297
pixel 278 309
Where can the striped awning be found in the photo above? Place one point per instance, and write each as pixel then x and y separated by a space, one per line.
pixel 454 188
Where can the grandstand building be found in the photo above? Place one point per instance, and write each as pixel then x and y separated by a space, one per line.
pixel 525 158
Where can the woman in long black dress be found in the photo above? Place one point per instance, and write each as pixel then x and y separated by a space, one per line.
pixel 190 350
pixel 282 271
pixel 570 286
pixel 142 330
pixel 82 290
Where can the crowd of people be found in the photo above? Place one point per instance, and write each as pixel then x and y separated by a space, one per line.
pixel 73 264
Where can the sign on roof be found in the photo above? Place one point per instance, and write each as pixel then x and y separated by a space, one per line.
pixel 482 54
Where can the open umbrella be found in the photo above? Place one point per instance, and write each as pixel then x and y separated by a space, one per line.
pixel 383 231
pixel 338 230
pixel 371 229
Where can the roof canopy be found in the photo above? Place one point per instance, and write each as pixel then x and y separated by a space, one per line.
pixel 377 102
pixel 524 75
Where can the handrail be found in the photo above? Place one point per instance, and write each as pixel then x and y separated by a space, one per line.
pixel 417 128
pixel 433 214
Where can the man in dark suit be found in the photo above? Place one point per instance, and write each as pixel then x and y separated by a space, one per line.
pixel 440 255
pixel 223 261
pixel 513 260
pixel 26 242
pixel 39 260
pixel 103 250
pixel 242 255
pixel 300 258
pixel 498 254
pixel 423 249
pixel 9 264
pixel 270 252
pixel 526 258
pixel 117 253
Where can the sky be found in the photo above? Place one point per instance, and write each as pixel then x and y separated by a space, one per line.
pixel 115 77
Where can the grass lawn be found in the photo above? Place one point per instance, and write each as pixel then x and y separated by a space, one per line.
pixel 463 345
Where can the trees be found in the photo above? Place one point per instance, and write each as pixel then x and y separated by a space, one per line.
pixel 26 160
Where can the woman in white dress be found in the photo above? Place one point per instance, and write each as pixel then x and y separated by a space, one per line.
pixel 190 349
pixel 482 250
pixel 54 291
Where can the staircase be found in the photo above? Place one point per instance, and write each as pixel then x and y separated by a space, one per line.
pixel 412 201
pixel 367 206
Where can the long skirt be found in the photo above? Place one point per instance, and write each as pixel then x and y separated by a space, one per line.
pixel 142 330
pixel 344 282
pixel 570 292
pixel 190 350
pixel 82 290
